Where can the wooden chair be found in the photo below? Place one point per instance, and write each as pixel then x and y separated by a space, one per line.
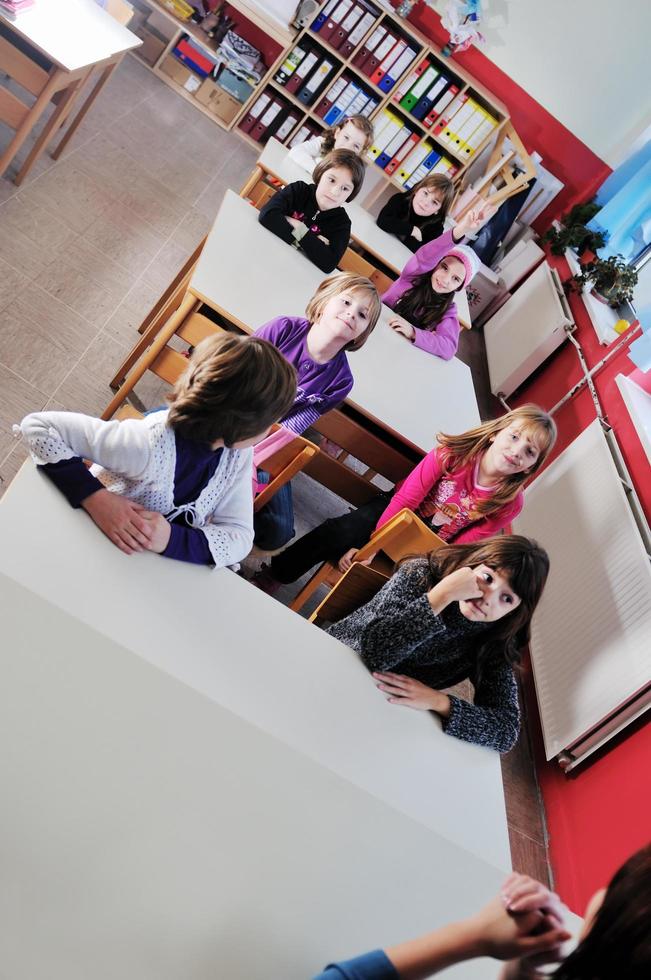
pixel 164 361
pixel 164 307
pixel 283 466
pixel 352 261
pixel 355 588
pixel 260 194
pixel 405 534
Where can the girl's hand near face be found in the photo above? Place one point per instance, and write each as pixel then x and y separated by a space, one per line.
pixel 458 585
pixel 402 327
pixel 473 220
pixel 417 234
pixel 411 693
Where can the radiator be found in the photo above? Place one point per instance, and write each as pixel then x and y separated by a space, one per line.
pixel 591 633
pixel 526 330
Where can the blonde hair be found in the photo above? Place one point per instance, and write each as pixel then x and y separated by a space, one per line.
pixel 342 282
pixel 461 450
pixel 360 122
pixel 443 185
pixel 233 389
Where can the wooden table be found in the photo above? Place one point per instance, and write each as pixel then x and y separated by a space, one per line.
pixel 50 49
pixel 199 783
pixel 274 162
pixel 402 396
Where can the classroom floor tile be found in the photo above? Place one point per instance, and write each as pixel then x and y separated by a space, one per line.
pixel 87 244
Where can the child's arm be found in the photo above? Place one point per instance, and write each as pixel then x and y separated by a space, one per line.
pixel 443 341
pixel 303 415
pixel 492 524
pixel 493 719
pixel 276 212
pixel 229 532
pixel 403 618
pixel 415 487
pixel 307 154
pixel 326 255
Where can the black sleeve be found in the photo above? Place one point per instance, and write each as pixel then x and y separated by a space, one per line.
pixel 431 230
pixel 276 211
pixel 73 478
pixel 326 257
pixel 394 216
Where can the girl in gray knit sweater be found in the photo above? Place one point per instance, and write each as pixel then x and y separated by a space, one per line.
pixel 462 612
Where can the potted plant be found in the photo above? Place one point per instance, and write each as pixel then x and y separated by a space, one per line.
pixel 612 280
pixel 574 232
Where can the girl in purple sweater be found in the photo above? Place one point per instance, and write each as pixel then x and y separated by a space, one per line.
pixel 423 296
pixel 338 318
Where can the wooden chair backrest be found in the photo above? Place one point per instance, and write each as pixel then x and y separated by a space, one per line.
pixel 359 584
pixel 260 194
pixel 170 364
pixel 283 466
pixel 405 534
pixel 352 261
pixel 28 73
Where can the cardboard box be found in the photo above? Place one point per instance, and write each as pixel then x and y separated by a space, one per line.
pixel 235 86
pixel 178 72
pixel 219 102
pixel 152 46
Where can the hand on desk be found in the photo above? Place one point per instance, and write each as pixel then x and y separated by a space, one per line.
pixel 127 524
pixel 294 222
pixel 348 559
pixel 412 693
pixel 403 327
pixel 417 234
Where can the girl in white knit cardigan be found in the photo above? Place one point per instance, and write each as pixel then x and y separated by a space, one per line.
pixel 178 481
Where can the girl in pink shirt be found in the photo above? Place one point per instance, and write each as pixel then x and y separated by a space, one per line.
pixel 467 488
pixel 423 296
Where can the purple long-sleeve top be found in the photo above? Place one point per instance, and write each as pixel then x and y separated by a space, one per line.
pixel 444 339
pixel 320 386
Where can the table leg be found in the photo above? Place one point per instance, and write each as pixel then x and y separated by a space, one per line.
pixel 72 128
pixel 256 176
pixel 55 121
pixel 52 85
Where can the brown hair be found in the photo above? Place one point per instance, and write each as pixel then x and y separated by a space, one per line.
pixel 421 305
pixel 466 448
pixel 444 186
pixel 526 566
pixel 618 944
pixel 342 158
pixel 361 122
pixel 233 389
pixel 341 282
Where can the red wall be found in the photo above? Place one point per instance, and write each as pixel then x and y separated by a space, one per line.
pixel 562 153
pixel 599 814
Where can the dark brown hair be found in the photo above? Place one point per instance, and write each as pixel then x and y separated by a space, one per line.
pixel 361 122
pixel 465 448
pixel 526 566
pixel 421 305
pixel 342 158
pixel 618 945
pixel 234 388
pixel 444 186
pixel 342 282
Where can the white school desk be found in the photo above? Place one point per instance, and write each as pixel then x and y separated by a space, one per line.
pixel 198 783
pixel 274 160
pixel 246 273
pixel 75 36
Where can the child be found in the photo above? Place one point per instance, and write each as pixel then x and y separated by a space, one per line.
pixel 463 611
pixel 467 488
pixel 424 294
pixel 339 317
pixel 178 481
pixel 311 216
pixel 418 216
pixel 354 133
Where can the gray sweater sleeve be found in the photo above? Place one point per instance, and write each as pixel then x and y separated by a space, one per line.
pixel 398 622
pixel 493 719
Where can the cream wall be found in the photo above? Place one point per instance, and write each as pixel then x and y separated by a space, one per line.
pixel 588 62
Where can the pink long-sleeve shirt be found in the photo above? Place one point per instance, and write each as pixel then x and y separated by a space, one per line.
pixel 447 501
pixel 444 340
